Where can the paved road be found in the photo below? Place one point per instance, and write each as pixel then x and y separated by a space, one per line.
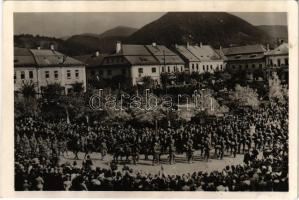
pixel 181 166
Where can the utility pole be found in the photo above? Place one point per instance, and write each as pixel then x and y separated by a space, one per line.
pixel 164 63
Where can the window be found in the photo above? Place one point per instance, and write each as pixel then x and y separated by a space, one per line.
pixel 271 62
pixel 174 69
pixel 211 66
pixel 109 72
pixel 260 66
pixel 221 67
pixel 68 74
pixel 286 61
pixel 168 69
pixel 181 68
pixel 22 75
pixel 56 74
pixel 153 69
pixel 163 69
pixel 77 73
pixel 31 74
pixel 197 67
pixel 192 66
pixel 15 76
pixel 278 62
pixel 140 70
pixel 203 67
pixel 47 74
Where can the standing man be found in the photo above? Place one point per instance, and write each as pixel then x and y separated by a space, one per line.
pixel 207 150
pixel 171 152
pixel 156 151
pixel 104 149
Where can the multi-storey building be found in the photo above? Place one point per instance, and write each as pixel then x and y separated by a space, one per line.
pixel 131 61
pixel 248 57
pixel 200 58
pixel 169 61
pixel 46 66
pixel 93 64
pixel 278 60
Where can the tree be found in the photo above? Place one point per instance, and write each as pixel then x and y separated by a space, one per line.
pixel 148 82
pixel 28 90
pixel 165 79
pixel 245 96
pixel 182 77
pixel 276 91
pixel 78 88
pixel 28 105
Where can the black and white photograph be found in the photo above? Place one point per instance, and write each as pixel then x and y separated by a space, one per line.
pixel 151 101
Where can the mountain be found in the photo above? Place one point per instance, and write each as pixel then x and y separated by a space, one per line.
pixel 105 42
pixel 30 41
pixel 275 31
pixel 215 28
pixel 119 31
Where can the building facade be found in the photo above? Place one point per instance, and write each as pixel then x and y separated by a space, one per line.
pixel 169 61
pixel 278 60
pixel 200 58
pixel 44 66
pixel 134 62
pixel 248 57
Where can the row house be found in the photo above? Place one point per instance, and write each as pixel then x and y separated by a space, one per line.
pixel 169 61
pixel 138 61
pixel 131 61
pixel 46 66
pixel 248 57
pixel 200 58
pixel 278 59
pixel 93 64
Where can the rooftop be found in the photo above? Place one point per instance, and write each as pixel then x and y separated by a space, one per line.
pixel 42 57
pixel 281 49
pixel 247 49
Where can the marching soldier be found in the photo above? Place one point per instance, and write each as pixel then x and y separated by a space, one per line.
pixel 171 152
pixel 135 153
pixel 189 151
pixel 104 149
pixel 156 152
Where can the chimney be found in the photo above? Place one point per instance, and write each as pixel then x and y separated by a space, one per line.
pixel 52 47
pixel 154 44
pixel 118 46
pixel 220 48
pixel 187 45
pixel 97 53
pixel 200 45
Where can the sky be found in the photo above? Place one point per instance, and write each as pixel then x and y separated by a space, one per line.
pixel 67 24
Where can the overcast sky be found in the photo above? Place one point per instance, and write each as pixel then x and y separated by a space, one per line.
pixel 66 24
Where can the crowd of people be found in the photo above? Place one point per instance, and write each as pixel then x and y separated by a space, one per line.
pixel 39 144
